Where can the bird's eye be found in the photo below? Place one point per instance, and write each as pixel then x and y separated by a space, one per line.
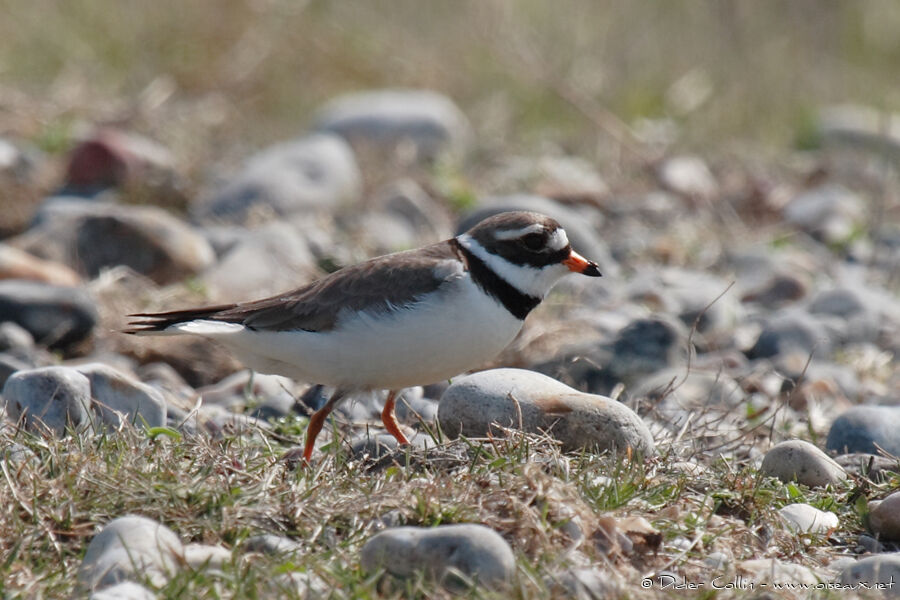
pixel 534 241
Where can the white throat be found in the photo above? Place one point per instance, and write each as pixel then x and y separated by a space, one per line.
pixel 534 281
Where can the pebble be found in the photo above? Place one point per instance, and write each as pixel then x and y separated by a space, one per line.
pixel 18 264
pixel 205 556
pixel 688 176
pixel 268 543
pixel 56 316
pixel 585 583
pixel 865 429
pixel 312 173
pixel 791 332
pixel 881 570
pixel 861 464
pixel 829 212
pixel 118 397
pixel 128 548
pixel 387 118
pixel 49 399
pixel 91 236
pixel 479 553
pixel 860 126
pixel 643 347
pixel 772 570
pixel 111 157
pixel 374 446
pixel 804 518
pixel 884 517
pixel 265 261
pixel 127 590
pixel 798 460
pixel 269 395
pixel 472 404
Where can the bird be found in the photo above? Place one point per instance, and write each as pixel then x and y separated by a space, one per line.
pixel 409 318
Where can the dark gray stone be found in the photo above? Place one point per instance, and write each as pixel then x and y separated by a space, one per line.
pixel 49 399
pixel 55 316
pixel 862 428
pixel 517 398
pixel 91 236
pixel 792 332
pixel 312 173
pixel 882 569
pixel 884 517
pixel 9 364
pixel 386 118
pixel 477 552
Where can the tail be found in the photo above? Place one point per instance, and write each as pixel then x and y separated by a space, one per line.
pixel 164 323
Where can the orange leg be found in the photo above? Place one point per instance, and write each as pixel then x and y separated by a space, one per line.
pixel 316 422
pixel 390 419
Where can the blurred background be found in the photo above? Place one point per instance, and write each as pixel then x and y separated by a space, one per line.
pixel 210 77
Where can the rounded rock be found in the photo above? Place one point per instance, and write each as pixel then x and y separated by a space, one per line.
pixel 312 173
pixel 804 518
pixel 56 316
pixel 798 460
pixel 865 429
pixel 118 397
pixel 127 590
pixel 884 517
pixel 49 399
pixel 475 551
pixel 130 547
pixel 537 403
pixel 882 569
pixel 431 121
pixel 268 543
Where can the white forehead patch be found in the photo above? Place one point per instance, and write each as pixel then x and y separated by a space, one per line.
pixel 511 234
pixel 558 240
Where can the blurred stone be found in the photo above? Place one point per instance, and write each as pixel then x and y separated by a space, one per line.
pixel 112 157
pixel 428 218
pixel 268 543
pixel 49 400
pixel 772 570
pixel 706 399
pixel 780 290
pixel 316 172
pixel 127 590
pixel 128 548
pixel 798 460
pixel 413 406
pixel 884 517
pixel 205 556
pixel 862 127
pixel 475 551
pixel 643 347
pixel 386 119
pixel 517 398
pixel 269 396
pixel 581 234
pixel 91 236
pixel 18 264
pixel 585 583
pixel 118 397
pixel 56 316
pixel 9 364
pixel 266 261
pixel 374 445
pixel 874 467
pixel 803 518
pixel 569 178
pixel 880 572
pixel 16 340
pixel 688 176
pixel 829 212
pixel 865 429
pixel 791 332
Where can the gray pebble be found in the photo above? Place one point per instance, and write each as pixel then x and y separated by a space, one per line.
pixel 49 399
pixel 792 332
pixel 205 556
pixel 865 429
pixel 830 212
pixel 311 173
pixel 884 517
pixel 118 397
pixel 130 547
pixel 472 404
pixel 688 176
pixel 56 316
pixel 798 460
pixel 586 583
pixel 476 551
pixel 881 569
pixel 127 590
pixel 268 543
pixel 386 118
